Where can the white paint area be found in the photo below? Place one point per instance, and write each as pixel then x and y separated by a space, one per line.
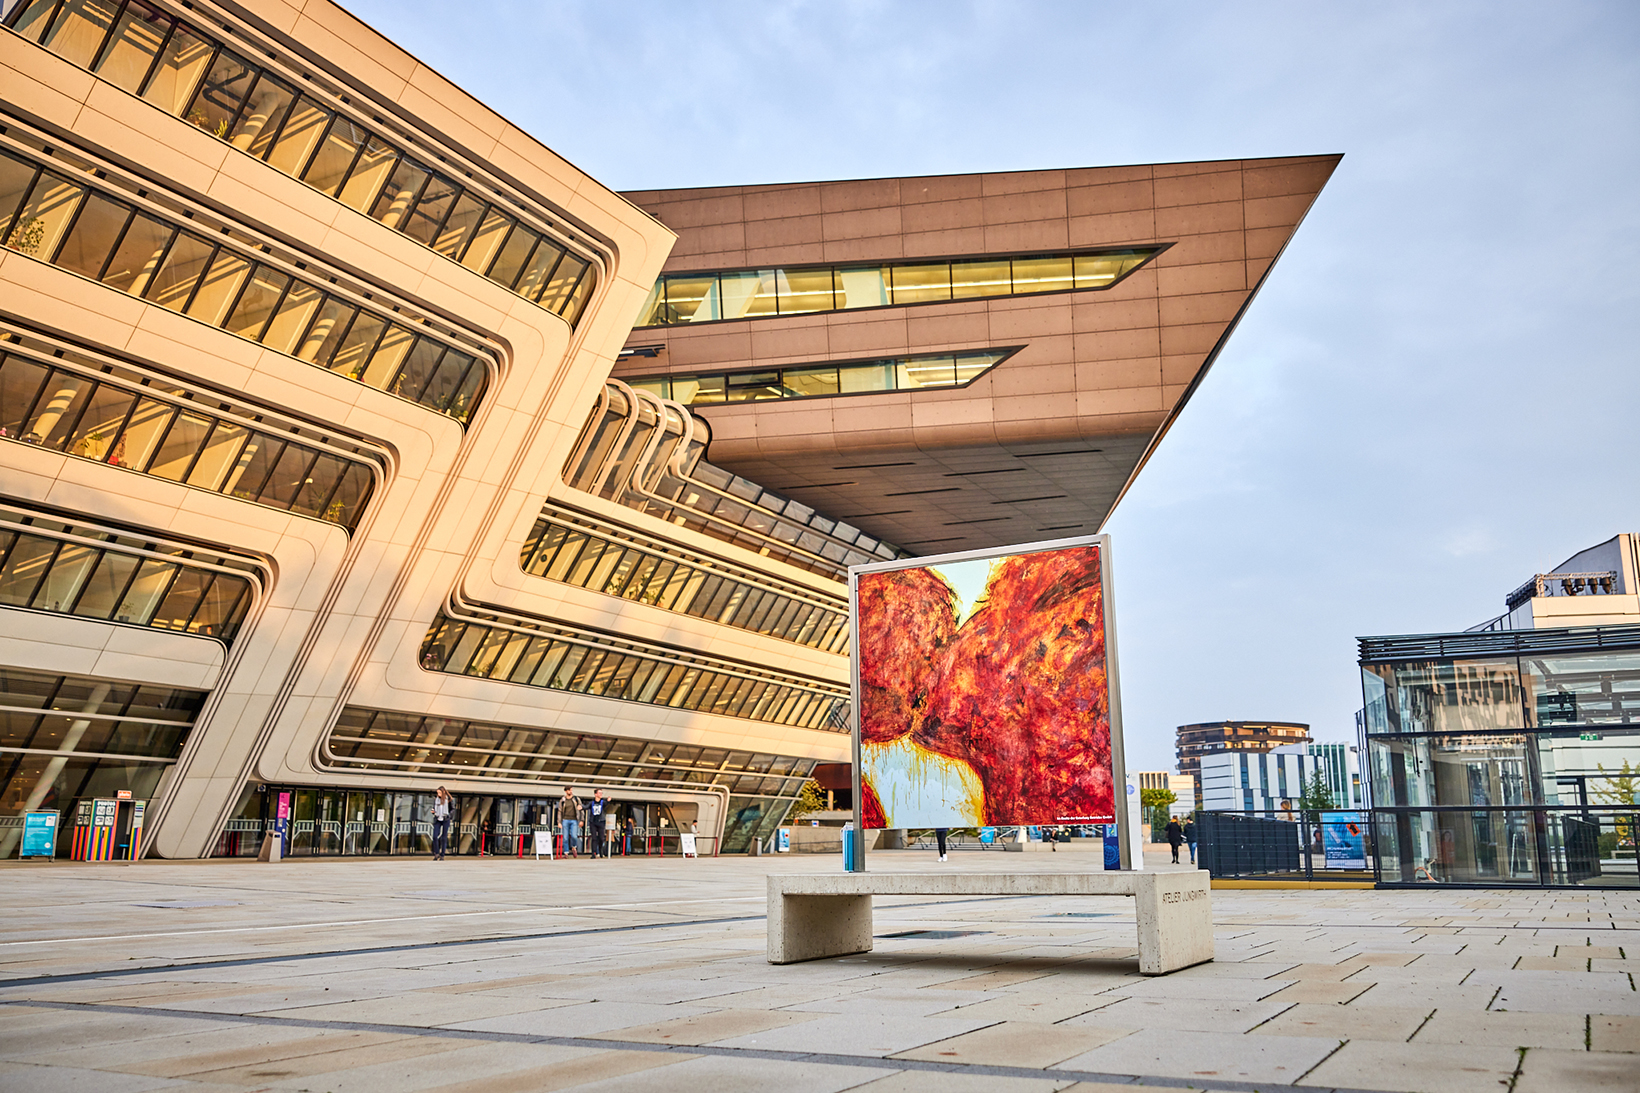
pixel 968 580
pixel 918 788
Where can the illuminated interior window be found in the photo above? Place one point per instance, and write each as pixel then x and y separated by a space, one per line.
pixel 680 298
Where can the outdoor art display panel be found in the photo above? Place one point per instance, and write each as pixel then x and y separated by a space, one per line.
pixel 984 694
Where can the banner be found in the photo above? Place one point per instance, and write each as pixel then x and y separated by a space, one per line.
pixel 1343 840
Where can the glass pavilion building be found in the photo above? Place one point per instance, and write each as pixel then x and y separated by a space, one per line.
pixel 1510 754
pixel 353 443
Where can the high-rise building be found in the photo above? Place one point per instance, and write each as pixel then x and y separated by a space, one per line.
pixel 353 443
pixel 1193 742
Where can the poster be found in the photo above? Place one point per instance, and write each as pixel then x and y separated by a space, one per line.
pixel 39 835
pixel 1342 840
pixel 983 689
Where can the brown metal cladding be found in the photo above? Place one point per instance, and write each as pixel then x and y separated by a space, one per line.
pixel 1064 424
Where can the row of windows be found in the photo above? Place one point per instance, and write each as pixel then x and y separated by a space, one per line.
pixel 620 457
pixel 60 220
pixel 687 584
pixel 82 714
pixel 364 738
pixel 107 422
pixel 50 574
pixel 914 373
pixel 184 71
pixel 804 290
pixel 626 672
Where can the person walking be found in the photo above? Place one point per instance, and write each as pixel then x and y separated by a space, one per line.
pixel 596 835
pixel 441 822
pixel 569 821
pixel 1190 835
pixel 1175 838
pixel 939 837
pixel 626 842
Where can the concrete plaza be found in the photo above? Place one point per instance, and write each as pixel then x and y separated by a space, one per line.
pixel 490 976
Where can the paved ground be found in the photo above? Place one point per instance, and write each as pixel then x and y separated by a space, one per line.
pixel 493 976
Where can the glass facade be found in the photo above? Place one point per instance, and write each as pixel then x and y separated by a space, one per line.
pixel 574 550
pixel 64 739
pixel 185 70
pixel 931 370
pixel 586 663
pixel 49 212
pixel 1514 762
pixel 49 565
pixel 153 431
pixel 706 297
pixel 649 455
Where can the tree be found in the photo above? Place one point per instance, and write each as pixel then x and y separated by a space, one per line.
pixel 1155 802
pixel 811 798
pixel 1316 797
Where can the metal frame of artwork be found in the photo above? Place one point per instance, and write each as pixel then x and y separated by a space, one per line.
pixel 856 860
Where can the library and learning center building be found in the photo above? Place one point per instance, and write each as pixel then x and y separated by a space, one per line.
pixel 353 443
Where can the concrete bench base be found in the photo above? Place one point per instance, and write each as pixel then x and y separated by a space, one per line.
pixel 811 917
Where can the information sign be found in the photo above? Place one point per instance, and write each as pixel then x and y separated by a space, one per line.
pixel 1343 841
pixel 39 835
pixel 687 839
pixel 543 843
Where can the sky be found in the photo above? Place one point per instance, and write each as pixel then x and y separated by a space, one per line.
pixel 1434 396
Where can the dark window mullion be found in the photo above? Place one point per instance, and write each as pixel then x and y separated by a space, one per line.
pixel 108 36
pixel 199 605
pixel 301 169
pixel 540 241
pixel 546 278
pixel 159 263
pixel 158 58
pixel 358 153
pixel 51 23
pixel 130 218
pixel 301 477
pixel 6 228
pixel 45 571
pixel 478 224
pixel 279 130
pixel 455 199
pixel 569 297
pixel 62 241
pixel 199 282
pixel 256 73
pixel 273 312
pixel 204 83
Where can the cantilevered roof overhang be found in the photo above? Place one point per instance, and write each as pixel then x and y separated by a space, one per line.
pixel 1044 443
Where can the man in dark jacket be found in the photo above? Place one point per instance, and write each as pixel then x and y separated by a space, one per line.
pixel 596 835
pixel 1175 838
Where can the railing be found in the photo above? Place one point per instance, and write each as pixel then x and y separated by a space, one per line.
pixel 1283 846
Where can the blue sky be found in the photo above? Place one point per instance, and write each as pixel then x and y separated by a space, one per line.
pixel 1434 397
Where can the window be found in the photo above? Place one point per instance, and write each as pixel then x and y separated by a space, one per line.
pixel 822 381
pixel 753 294
pixel 183 71
pixel 98 235
pixel 107 422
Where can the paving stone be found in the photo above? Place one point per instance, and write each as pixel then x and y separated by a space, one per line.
pixel 1614 1033
pixel 1546 1071
pixel 1171 1052
pixel 1435 1068
pixel 1319 991
pixel 580 1019
pixel 922 1081
pixel 1185 1015
pixel 591 1070
pixel 1034 1009
pixel 1016 1043
pixel 1536 1030
pixel 857 1034
pixel 706 1028
pixel 1354 1021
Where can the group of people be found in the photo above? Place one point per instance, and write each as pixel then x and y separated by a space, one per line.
pixel 573 815
pixel 1178 835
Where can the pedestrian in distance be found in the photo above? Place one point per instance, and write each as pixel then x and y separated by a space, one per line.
pixel 441 822
pixel 595 825
pixel 569 821
pixel 939 837
pixel 1190 835
pixel 1175 838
